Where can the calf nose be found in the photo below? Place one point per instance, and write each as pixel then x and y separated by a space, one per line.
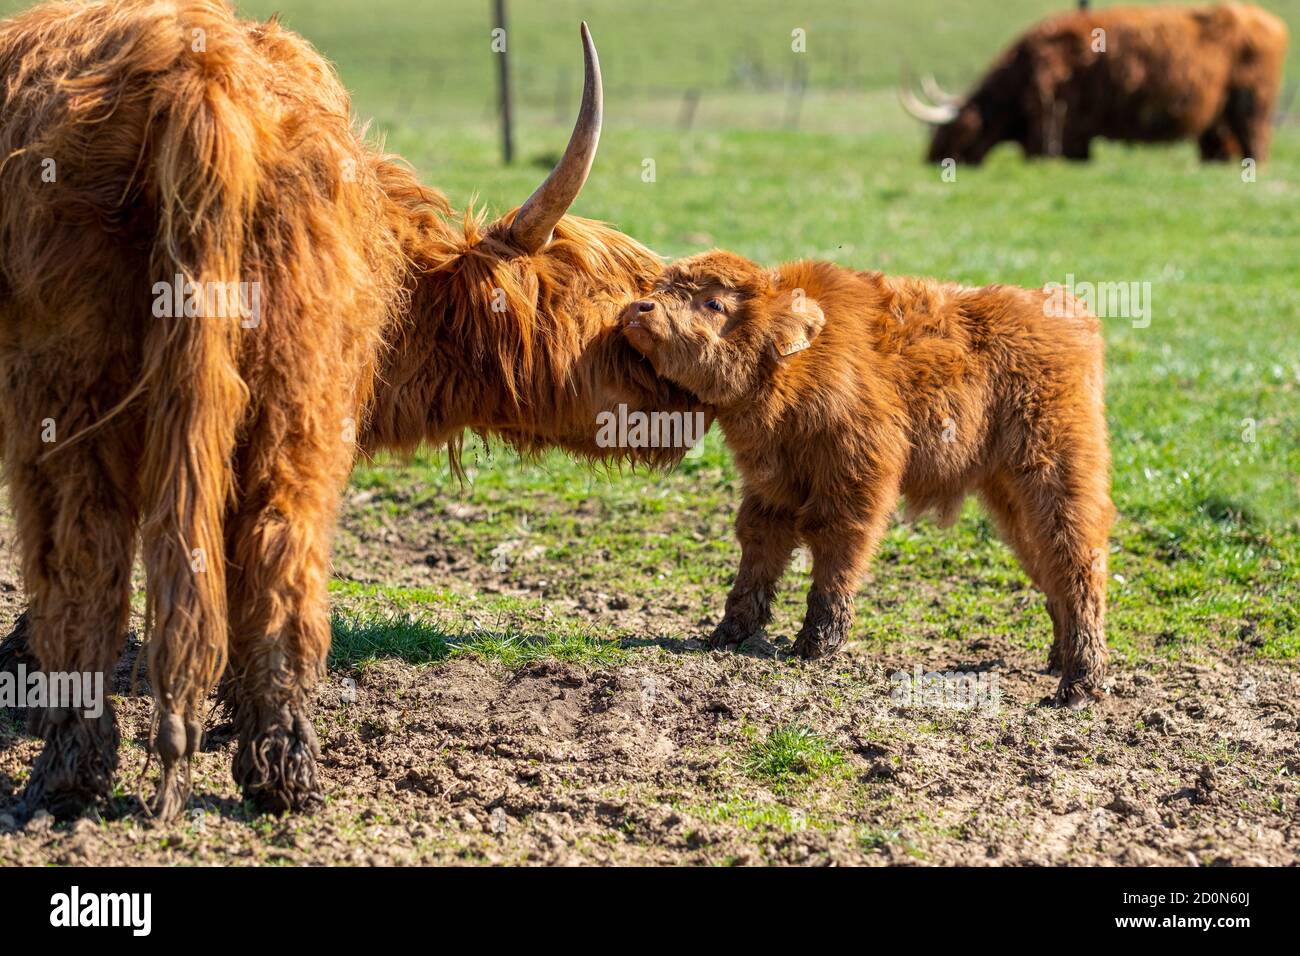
pixel 645 305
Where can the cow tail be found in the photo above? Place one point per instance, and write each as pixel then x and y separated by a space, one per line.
pixel 205 172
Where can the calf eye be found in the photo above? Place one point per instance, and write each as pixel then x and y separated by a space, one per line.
pixel 713 305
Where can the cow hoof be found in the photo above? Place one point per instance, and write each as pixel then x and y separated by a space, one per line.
pixel 276 766
pixel 75 769
pixel 278 802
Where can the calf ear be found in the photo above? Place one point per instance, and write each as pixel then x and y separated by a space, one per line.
pixel 798 322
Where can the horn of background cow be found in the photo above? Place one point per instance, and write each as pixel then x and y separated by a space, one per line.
pixel 537 217
pixel 937 94
pixel 934 115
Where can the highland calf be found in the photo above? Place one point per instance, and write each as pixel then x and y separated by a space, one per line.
pixel 1144 74
pixel 145 140
pixel 839 391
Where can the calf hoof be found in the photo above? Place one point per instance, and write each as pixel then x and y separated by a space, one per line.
pixel 1078 694
pixel 75 769
pixel 825 627
pixel 275 766
pixel 731 633
pixel 815 644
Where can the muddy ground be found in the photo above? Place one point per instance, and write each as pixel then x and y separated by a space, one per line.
pixel 656 755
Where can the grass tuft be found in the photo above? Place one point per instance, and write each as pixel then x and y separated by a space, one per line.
pixel 361 640
pixel 794 750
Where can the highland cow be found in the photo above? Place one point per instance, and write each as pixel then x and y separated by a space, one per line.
pixel 1140 75
pixel 839 391
pixel 154 145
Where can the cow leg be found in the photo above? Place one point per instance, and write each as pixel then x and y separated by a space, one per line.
pixel 278 556
pixel 279 640
pixel 843 543
pixel 1253 129
pixel 1077 148
pixel 1217 144
pixel 1249 117
pixel 767 539
pixel 76 511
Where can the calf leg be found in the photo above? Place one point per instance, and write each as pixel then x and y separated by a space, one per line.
pixel 1066 519
pixel 842 545
pixel 1003 504
pixel 767 539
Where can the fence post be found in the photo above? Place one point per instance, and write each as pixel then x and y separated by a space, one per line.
pixel 503 84
pixel 690 100
pixel 794 97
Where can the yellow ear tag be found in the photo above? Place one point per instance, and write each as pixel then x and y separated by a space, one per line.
pixel 791 349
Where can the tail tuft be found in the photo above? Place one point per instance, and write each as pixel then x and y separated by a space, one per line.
pixel 205 174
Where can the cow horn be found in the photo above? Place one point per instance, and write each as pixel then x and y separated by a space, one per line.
pixel 537 217
pixel 931 88
pixel 926 113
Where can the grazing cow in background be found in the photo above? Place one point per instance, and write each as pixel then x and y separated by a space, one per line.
pixel 212 292
pixel 1140 74
pixel 839 390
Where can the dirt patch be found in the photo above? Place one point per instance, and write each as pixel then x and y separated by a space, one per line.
pixel 468 761
pixel 648 760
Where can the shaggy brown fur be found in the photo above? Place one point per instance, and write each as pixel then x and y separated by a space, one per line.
pixel 186 142
pixel 1212 74
pixel 911 388
pixel 537 372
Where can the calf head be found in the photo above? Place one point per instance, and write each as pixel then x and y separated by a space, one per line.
pixel 721 326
